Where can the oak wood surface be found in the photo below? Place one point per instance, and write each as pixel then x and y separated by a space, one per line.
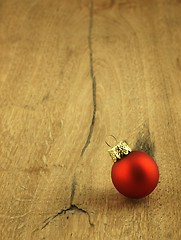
pixel 71 73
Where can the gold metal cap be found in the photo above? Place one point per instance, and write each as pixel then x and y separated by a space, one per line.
pixel 119 151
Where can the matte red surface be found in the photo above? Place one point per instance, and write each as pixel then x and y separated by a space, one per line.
pixel 136 175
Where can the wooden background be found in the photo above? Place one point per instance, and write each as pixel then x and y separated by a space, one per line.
pixel 72 72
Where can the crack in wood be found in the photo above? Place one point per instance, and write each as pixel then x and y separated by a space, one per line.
pixel 73 206
pixel 94 98
pixel 73 189
pixel 93 80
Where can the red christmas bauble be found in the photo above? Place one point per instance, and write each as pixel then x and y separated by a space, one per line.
pixel 135 175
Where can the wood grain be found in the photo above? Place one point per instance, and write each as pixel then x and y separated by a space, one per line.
pixel 71 73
